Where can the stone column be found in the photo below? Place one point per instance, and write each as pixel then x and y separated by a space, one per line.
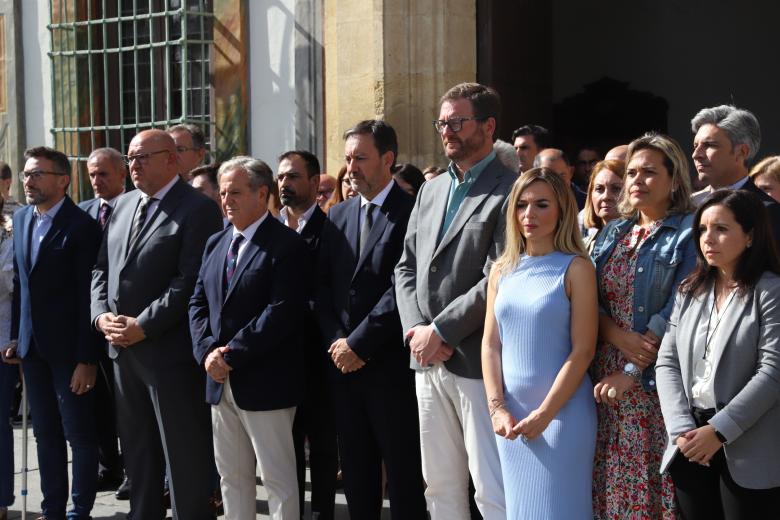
pixel 393 59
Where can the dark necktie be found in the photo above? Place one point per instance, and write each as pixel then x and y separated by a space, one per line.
pixel 365 228
pixel 140 218
pixel 103 214
pixel 232 259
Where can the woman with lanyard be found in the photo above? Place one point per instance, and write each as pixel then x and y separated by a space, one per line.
pixel 718 368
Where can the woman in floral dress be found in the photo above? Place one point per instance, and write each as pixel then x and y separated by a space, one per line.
pixel 640 260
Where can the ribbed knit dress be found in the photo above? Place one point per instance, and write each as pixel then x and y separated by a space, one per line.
pixel 549 477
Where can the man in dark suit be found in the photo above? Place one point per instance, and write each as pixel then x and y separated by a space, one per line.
pixel 107 173
pixel 54 250
pixel 298 181
pixel 245 320
pixel 143 279
pixel 372 386
pixel 726 139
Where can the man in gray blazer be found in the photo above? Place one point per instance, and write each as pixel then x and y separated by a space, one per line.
pixel 145 274
pixel 455 232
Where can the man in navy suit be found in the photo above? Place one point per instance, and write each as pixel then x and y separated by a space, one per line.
pixel 245 322
pixel 372 386
pixel 54 250
pixel 298 179
pixel 107 174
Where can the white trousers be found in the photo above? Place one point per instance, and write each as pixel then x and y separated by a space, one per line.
pixel 239 437
pixel 456 437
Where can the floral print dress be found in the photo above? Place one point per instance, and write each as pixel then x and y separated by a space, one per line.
pixel 631 437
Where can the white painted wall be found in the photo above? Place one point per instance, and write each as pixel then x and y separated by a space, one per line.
pixel 271 78
pixel 37 73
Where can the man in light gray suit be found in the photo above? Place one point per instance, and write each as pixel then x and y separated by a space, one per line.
pixel 144 277
pixel 455 232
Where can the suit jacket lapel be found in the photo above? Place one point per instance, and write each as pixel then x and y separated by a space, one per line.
pixel 438 208
pixel 251 249
pixel 377 229
pixel 165 208
pixel 309 231
pixel 57 225
pixel 478 192
pixel 27 238
pixel 353 226
pixel 121 227
pixel 690 337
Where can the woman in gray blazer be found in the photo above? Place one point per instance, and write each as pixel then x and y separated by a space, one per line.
pixel 718 368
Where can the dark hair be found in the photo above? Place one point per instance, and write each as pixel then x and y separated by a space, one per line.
pixel 198 138
pixel 761 256
pixel 385 139
pixel 484 100
pixel 59 159
pixel 312 163
pixel 410 174
pixel 5 171
pixel 209 171
pixel 542 136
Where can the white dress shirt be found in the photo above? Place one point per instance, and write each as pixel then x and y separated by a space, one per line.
pixel 247 233
pixel 283 217
pixel 378 200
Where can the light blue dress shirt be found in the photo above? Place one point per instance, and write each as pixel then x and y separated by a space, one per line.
pixel 41 225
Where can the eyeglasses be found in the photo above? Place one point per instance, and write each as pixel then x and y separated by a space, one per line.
pixel 36 175
pixel 143 158
pixel 455 124
pixel 182 149
pixel 325 193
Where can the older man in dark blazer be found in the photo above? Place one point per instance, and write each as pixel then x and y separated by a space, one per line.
pixel 107 173
pixel 54 251
pixel 245 320
pixel 144 277
pixel 373 389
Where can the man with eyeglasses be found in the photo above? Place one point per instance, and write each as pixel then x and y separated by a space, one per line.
pixel 55 245
pixel 455 232
pixel 325 190
pixel 191 147
pixel 143 279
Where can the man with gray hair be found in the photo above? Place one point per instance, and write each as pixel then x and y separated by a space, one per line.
pixel 726 140
pixel 245 319
pixel 191 147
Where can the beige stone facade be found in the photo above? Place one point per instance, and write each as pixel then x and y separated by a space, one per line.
pixel 393 59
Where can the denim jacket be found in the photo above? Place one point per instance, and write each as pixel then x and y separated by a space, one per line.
pixel 665 258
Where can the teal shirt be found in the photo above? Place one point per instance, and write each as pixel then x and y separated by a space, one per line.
pixel 459 190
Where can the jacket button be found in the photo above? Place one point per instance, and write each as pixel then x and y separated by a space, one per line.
pixel 434 268
pixel 640 269
pixel 352 292
pixel 641 309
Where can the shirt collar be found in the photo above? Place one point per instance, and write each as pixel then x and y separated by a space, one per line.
pixel 472 174
pixel 165 189
pixel 380 197
pixel 739 184
pixel 249 231
pixel 51 212
pixel 305 218
pixel 111 202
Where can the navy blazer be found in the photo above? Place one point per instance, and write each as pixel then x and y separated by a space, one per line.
pixel 51 297
pixel 356 295
pixel 91 207
pixel 259 316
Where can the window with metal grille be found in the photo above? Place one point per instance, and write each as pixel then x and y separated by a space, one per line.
pixel 122 66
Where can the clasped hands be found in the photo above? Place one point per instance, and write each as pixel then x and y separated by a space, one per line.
pixel 344 357
pixel 81 382
pixel 508 427
pixel 216 366
pixel 427 346
pixel 120 331
pixel 699 445
pixel 640 349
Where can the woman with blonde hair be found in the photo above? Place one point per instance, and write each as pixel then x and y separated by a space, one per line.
pixel 604 187
pixel 766 176
pixel 640 260
pixel 540 335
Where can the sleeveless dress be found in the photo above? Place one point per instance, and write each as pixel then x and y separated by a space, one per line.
pixel 549 477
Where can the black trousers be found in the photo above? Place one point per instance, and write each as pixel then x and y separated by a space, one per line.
pixel 377 422
pixel 110 463
pixel 709 493
pixel 314 420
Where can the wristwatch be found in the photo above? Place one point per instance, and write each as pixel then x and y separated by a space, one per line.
pixel 633 371
pixel 720 436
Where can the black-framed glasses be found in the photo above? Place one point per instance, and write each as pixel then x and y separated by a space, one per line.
pixel 36 175
pixel 455 123
pixel 142 158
